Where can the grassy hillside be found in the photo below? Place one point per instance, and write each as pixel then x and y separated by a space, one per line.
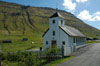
pixel 18 21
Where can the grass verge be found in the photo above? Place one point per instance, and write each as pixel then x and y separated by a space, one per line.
pixel 91 42
pixel 59 61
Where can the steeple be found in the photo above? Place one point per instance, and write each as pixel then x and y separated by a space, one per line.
pixel 57 14
pixel 56 9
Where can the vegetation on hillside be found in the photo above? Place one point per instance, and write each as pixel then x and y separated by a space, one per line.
pixel 19 21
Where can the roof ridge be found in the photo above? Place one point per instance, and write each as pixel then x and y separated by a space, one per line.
pixel 56 14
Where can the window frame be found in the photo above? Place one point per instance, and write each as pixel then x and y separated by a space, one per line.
pixel 61 22
pixel 53 21
pixel 53 33
pixel 46 42
pixel 74 40
pixel 63 42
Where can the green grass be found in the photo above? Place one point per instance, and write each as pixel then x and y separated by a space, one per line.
pixel 19 45
pixel 91 42
pixel 59 61
pixel 11 16
pixel 52 63
pixel 7 63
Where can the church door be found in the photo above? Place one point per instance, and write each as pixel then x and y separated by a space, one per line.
pixel 53 43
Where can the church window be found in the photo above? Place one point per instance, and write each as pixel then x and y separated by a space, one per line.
pixel 53 33
pixel 61 21
pixel 53 21
pixel 46 42
pixel 63 42
pixel 74 40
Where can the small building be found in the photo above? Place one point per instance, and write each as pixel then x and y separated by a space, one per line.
pixel 59 34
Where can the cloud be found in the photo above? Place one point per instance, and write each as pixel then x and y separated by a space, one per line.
pixel 81 1
pixel 69 5
pixel 85 15
pixel 97 13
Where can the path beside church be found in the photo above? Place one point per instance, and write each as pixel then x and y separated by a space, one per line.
pixel 87 56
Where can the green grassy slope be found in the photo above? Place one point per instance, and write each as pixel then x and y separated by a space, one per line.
pixel 18 21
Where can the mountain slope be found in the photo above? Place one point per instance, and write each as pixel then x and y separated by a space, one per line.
pixel 18 19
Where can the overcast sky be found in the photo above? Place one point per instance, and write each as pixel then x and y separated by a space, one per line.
pixel 86 10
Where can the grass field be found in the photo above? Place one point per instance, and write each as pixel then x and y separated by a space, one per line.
pixel 19 45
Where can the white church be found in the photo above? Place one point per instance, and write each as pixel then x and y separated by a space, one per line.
pixel 58 34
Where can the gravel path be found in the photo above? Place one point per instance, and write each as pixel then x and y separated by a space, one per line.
pixel 87 56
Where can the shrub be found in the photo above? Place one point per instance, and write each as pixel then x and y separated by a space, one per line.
pixel 52 53
pixel 1 56
pixel 12 57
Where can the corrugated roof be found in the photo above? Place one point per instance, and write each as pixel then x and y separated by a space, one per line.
pixel 57 14
pixel 72 31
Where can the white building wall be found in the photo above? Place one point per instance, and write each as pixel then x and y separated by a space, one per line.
pixel 47 38
pixel 63 37
pixel 79 41
pixel 71 44
pixel 60 35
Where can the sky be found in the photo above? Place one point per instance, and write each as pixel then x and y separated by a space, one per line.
pixel 86 10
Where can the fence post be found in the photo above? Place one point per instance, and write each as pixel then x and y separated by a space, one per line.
pixel 40 51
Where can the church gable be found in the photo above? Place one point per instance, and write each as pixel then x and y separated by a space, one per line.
pixel 56 15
